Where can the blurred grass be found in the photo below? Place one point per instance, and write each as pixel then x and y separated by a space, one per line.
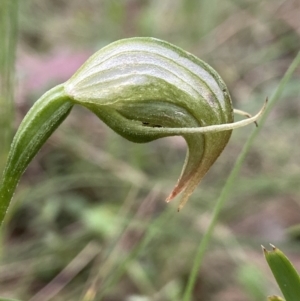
pixel 111 196
pixel 8 33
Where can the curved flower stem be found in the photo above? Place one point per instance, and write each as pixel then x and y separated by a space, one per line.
pixel 37 126
pixel 227 188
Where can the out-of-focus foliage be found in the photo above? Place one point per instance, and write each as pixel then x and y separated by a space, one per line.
pixel 94 223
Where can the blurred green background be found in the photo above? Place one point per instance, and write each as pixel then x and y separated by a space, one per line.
pixel 89 221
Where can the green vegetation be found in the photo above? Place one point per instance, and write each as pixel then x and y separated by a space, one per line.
pixel 285 274
pixel 229 185
pixel 88 221
pixel 8 33
pixel 141 88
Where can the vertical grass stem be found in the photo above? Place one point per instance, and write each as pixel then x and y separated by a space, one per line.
pixel 231 180
pixel 8 41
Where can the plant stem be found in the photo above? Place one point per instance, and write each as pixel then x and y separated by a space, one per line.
pixel 37 126
pixel 227 188
pixel 8 40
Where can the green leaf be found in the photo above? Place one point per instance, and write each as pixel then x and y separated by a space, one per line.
pixel 5 299
pixel 285 274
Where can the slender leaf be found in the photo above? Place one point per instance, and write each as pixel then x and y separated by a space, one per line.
pixel 285 274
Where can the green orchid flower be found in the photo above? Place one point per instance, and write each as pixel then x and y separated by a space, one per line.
pixel 143 89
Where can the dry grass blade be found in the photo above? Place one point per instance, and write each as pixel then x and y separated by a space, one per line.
pixel 65 276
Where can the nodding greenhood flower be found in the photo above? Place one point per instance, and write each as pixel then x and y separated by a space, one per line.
pixel 143 89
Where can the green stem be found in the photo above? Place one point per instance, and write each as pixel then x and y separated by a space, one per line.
pixel 231 180
pixel 8 39
pixel 37 126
